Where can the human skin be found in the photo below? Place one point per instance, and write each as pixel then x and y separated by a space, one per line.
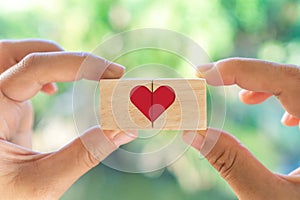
pixel 259 80
pixel 25 174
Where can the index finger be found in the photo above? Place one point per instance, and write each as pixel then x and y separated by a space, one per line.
pixel 26 78
pixel 251 74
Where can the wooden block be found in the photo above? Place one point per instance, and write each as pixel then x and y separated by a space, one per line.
pixel 116 108
pixel 171 104
pixel 188 111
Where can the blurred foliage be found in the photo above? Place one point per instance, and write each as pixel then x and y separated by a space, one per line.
pixel 265 29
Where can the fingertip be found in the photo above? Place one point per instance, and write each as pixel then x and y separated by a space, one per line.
pixel 194 138
pixel 95 67
pixel 188 137
pixel 132 133
pixel 251 97
pixel 284 118
pixel 50 88
pixel 246 96
pixel 201 70
pixel 289 120
pixel 114 70
pixel 124 137
pixel 211 73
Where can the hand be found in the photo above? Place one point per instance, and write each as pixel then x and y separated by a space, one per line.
pixel 244 173
pixel 25 174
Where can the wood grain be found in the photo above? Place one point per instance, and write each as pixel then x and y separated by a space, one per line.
pixel 188 112
pixel 116 110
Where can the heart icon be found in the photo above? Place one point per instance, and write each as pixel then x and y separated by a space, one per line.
pixel 152 104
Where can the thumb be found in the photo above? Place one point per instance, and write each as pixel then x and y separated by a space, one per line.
pixel 65 166
pixel 243 172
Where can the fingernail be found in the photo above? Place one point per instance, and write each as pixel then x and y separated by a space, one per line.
pixel 243 92
pixel 285 118
pixel 116 70
pixel 202 69
pixel 55 88
pixel 245 96
pixel 188 137
pixel 124 138
pixel 289 120
pixel 194 138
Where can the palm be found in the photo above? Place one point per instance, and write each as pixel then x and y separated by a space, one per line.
pixel 17 117
pixel 16 122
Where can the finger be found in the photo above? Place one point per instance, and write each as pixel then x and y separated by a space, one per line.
pixel 244 173
pixel 14 51
pixel 26 78
pixel 250 97
pixel 250 74
pixel 289 120
pixel 259 76
pixel 49 88
pixel 295 172
pixel 75 159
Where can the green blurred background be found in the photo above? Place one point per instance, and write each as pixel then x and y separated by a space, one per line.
pixel 265 29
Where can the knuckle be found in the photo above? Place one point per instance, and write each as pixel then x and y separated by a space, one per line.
pixel 88 157
pixel 29 62
pixel 224 161
pixel 90 160
pixel 29 66
pixel 292 71
pixel 291 78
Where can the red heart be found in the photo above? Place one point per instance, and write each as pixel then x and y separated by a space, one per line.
pixel 152 104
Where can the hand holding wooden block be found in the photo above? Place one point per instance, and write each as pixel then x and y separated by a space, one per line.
pixel 171 104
